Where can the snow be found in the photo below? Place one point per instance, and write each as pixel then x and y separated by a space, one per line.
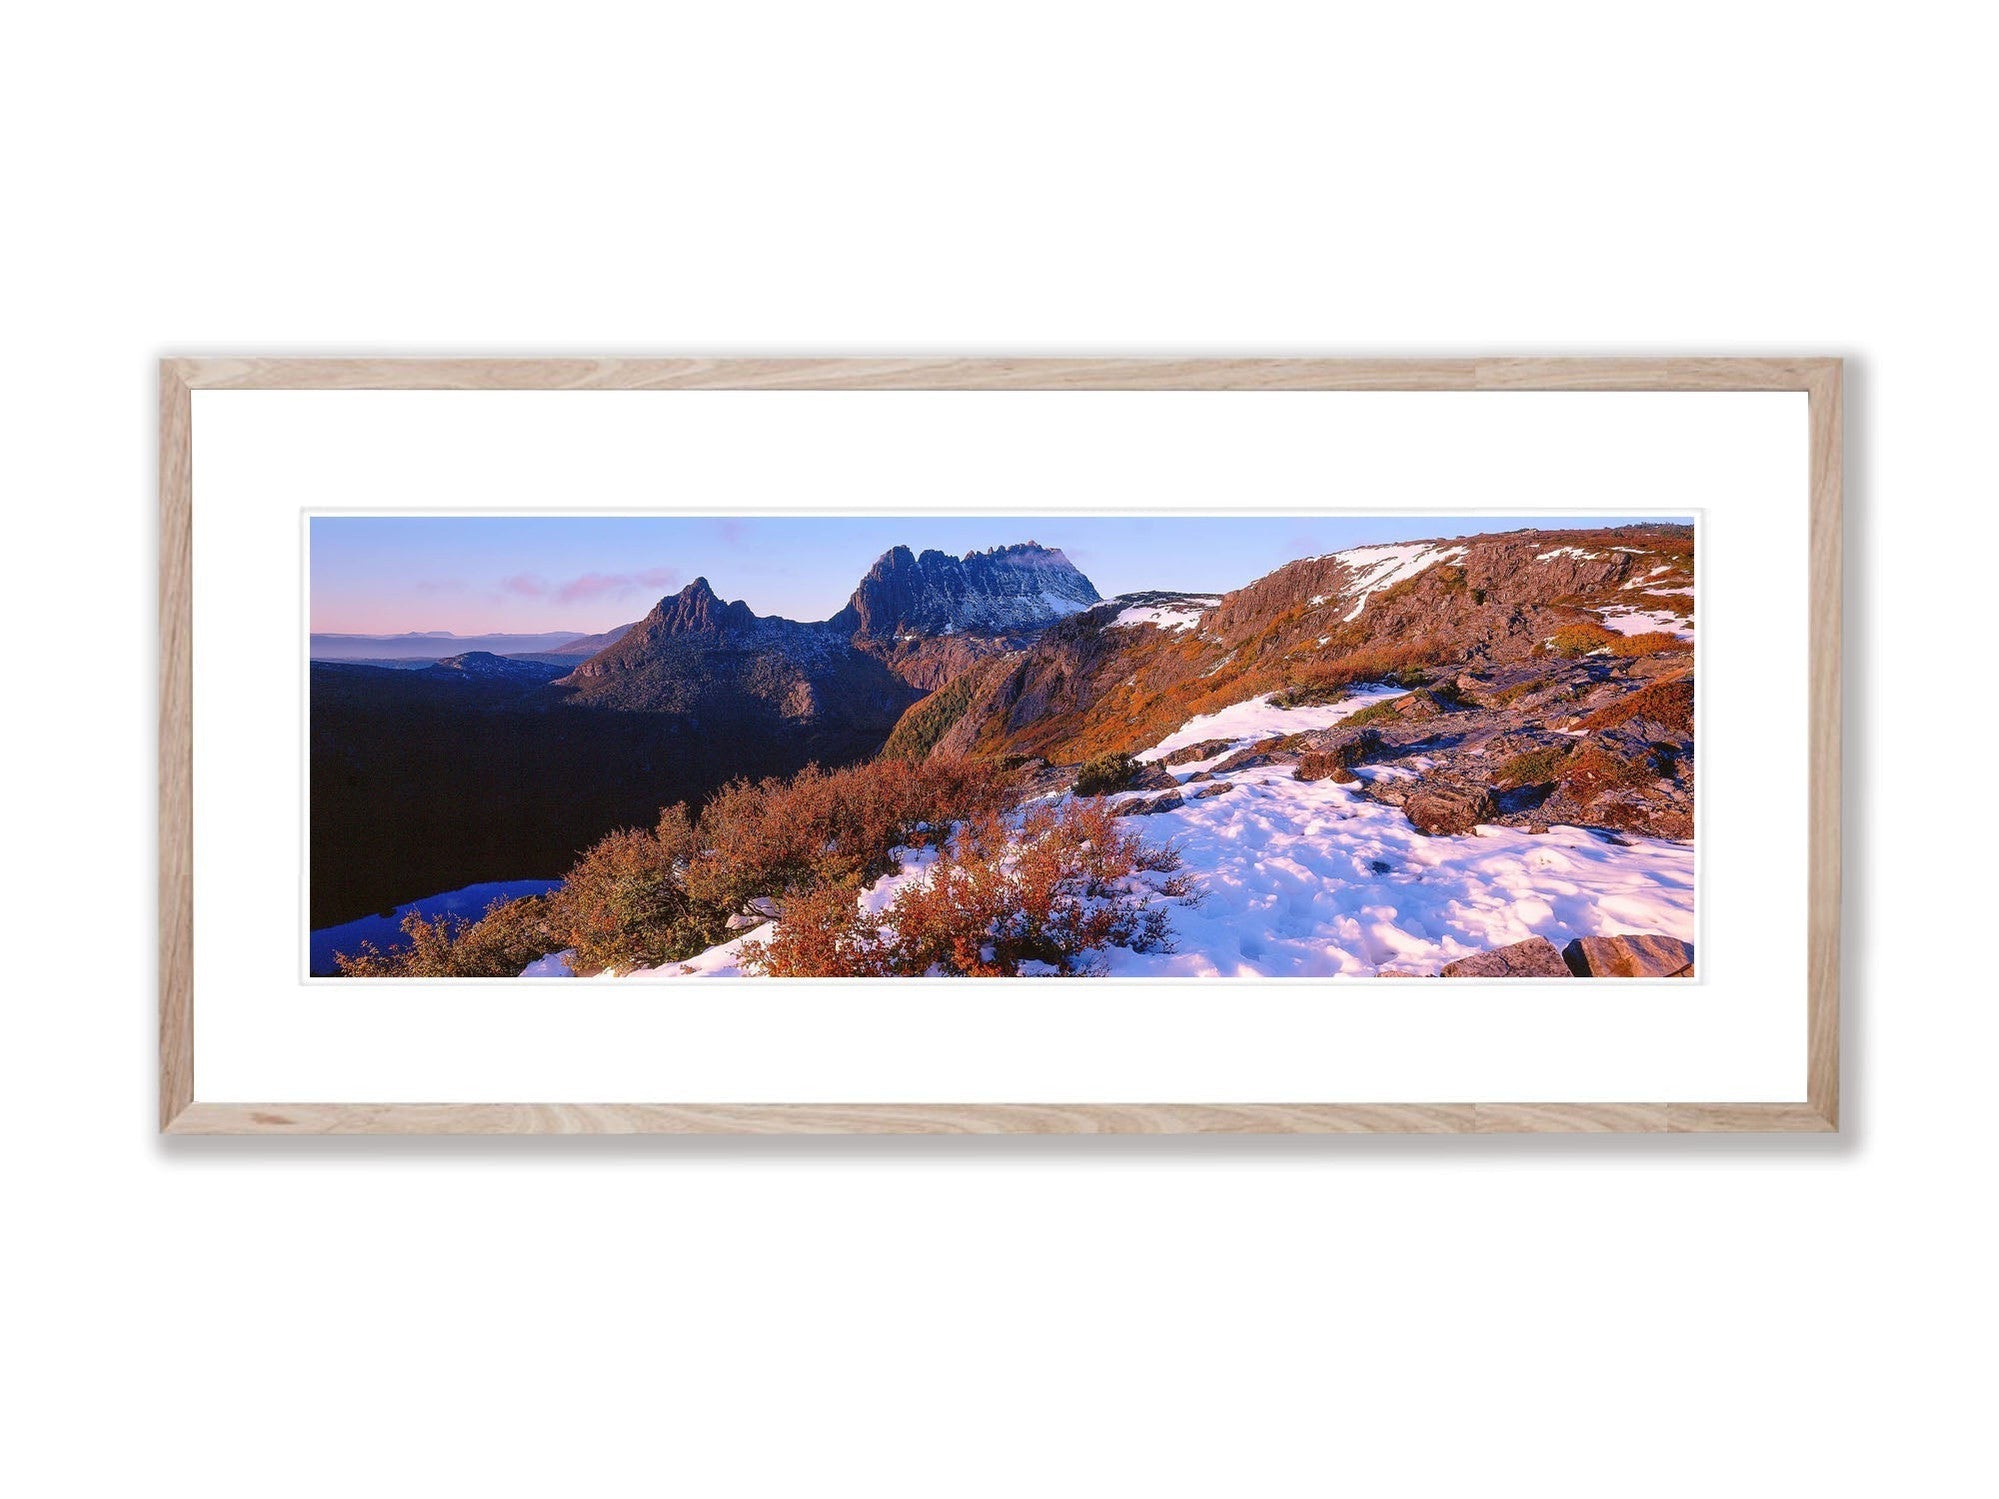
pixel 1645 580
pixel 1569 552
pixel 1182 616
pixel 1245 723
pixel 1291 887
pixel 1376 568
pixel 724 961
pixel 1062 605
pixel 554 965
pixel 1627 621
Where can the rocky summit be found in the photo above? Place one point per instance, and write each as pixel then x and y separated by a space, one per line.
pixel 1008 591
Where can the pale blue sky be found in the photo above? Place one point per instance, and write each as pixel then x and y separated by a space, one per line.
pixel 480 574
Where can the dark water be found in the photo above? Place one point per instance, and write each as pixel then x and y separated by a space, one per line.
pixel 386 931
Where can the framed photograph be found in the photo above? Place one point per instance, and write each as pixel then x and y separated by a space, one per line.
pixel 1062 746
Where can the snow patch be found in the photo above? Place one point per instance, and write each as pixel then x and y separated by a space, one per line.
pixel 1375 568
pixel 1309 879
pixel 1627 621
pixel 1257 718
pixel 1569 552
pixel 1175 617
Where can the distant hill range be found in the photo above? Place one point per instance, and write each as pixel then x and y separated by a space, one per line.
pixel 436 645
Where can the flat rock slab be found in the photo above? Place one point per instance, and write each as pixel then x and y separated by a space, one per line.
pixel 1207 749
pixel 1146 806
pixel 1536 958
pixel 1629 957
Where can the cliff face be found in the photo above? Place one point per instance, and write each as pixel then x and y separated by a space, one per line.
pixel 1010 590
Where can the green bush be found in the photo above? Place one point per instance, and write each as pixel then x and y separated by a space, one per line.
pixel 1103 774
pixel 1533 768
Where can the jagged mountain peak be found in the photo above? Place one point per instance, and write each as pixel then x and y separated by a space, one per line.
pixel 1016 588
pixel 697 608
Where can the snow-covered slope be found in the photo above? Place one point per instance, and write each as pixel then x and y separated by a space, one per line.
pixel 1313 879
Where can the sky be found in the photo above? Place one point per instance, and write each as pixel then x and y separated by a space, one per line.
pixel 473 575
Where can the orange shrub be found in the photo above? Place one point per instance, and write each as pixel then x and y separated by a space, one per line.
pixel 1668 702
pixel 839 827
pixel 623 906
pixel 1652 642
pixel 509 936
pixel 1057 890
pixel 1582 637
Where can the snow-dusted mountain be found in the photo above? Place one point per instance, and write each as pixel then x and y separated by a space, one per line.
pixel 1009 590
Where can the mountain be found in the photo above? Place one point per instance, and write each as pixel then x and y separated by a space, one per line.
pixel 1121 674
pixel 1007 591
pixel 430 645
pixel 914 622
pixel 733 672
pixel 589 645
pixel 929 617
pixel 484 665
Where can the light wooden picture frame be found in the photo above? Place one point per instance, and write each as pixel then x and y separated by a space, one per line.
pixel 183 1111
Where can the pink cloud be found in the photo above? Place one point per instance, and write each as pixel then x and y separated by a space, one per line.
pixel 606 585
pixel 590 585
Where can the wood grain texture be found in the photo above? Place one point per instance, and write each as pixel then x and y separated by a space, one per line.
pixel 1000 374
pixel 1820 378
pixel 176 853
pixel 991 1118
pixel 1823 897
pixel 830 1118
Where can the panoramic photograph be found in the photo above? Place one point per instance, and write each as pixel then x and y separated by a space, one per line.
pixel 657 748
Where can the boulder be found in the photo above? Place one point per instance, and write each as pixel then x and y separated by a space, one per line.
pixel 1441 809
pixel 1536 958
pixel 1213 788
pixel 1319 765
pixel 1629 956
pixel 1145 806
pixel 1207 749
pixel 1390 791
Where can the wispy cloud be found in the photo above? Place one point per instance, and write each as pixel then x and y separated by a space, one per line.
pixel 590 585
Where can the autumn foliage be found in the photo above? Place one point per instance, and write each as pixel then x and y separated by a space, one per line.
pixel 499 944
pixel 1048 895
pixel 1581 638
pixel 1650 643
pixel 642 897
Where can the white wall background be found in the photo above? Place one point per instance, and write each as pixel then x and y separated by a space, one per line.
pixel 991 1317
